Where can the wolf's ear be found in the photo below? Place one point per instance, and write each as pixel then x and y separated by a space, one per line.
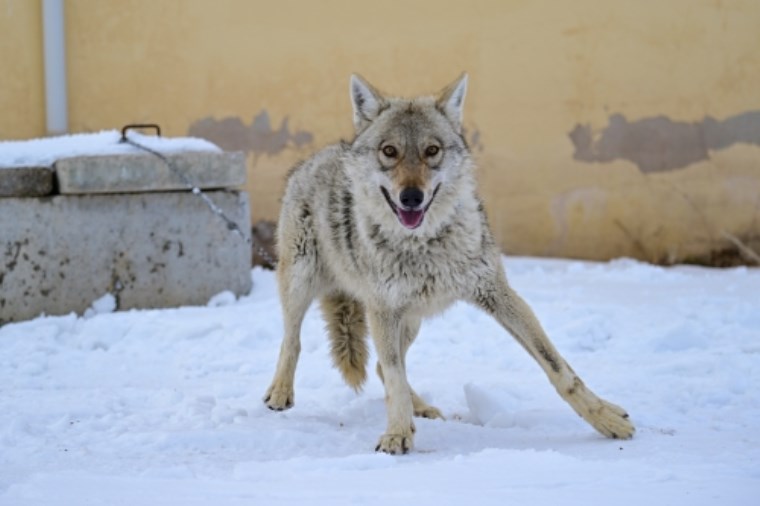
pixel 367 102
pixel 451 100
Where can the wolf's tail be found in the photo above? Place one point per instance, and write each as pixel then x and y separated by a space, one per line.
pixel 347 328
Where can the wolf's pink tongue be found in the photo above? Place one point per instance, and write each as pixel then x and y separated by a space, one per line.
pixel 411 219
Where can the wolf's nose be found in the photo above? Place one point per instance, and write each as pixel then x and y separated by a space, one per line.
pixel 411 197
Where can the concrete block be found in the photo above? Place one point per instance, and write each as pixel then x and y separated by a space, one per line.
pixel 59 254
pixel 146 172
pixel 26 181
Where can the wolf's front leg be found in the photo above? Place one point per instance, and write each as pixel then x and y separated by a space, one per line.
pixel 386 329
pixel 493 294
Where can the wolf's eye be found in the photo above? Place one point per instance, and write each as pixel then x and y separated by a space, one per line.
pixel 431 151
pixel 390 151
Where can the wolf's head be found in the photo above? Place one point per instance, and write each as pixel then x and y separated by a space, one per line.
pixel 409 160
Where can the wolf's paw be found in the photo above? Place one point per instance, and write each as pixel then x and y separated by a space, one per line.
pixel 279 397
pixel 395 444
pixel 424 410
pixel 612 421
pixel 427 411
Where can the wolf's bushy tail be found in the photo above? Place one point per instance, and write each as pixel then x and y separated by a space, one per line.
pixel 347 327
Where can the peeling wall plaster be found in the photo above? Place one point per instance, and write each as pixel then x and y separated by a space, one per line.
pixel 258 138
pixel 660 144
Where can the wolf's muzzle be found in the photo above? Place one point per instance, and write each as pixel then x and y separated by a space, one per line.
pixel 411 214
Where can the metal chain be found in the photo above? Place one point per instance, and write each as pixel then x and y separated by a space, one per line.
pixel 231 224
pixel 263 253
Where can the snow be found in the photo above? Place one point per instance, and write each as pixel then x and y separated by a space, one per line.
pixel 105 304
pixel 164 406
pixel 44 152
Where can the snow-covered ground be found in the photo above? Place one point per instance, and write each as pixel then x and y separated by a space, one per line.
pixel 164 407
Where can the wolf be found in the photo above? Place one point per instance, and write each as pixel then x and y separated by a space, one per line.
pixel 388 229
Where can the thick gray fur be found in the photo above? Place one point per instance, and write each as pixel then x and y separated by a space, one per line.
pixel 341 239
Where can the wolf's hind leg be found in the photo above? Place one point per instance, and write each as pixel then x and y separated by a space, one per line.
pixel 297 288
pixel 421 408
pixel 496 297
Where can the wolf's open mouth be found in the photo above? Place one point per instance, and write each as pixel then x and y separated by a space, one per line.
pixel 410 218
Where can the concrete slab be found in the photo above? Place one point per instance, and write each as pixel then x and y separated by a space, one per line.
pixel 26 181
pixel 59 254
pixel 146 172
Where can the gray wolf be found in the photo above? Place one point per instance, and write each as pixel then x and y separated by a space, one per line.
pixel 388 229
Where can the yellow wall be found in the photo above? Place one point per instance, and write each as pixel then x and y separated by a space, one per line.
pixel 537 70
pixel 22 90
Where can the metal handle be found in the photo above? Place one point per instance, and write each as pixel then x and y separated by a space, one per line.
pixel 136 126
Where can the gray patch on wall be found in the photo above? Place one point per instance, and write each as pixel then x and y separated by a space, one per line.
pixel 231 134
pixel 660 144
